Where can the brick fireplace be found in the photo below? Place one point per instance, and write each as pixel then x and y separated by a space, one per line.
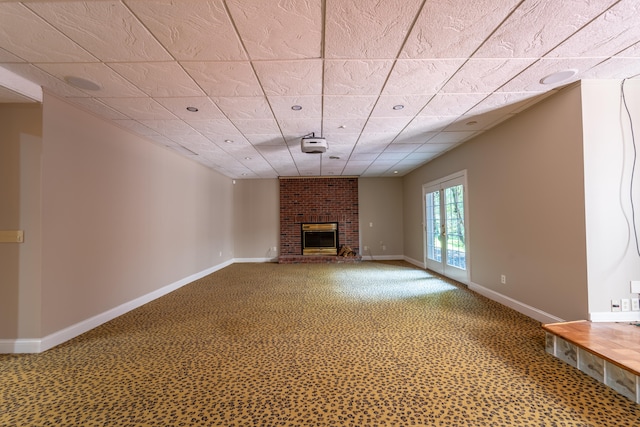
pixel 318 201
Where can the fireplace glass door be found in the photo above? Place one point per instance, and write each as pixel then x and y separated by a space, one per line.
pixel 320 239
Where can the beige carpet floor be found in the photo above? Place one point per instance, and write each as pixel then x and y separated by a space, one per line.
pixel 367 344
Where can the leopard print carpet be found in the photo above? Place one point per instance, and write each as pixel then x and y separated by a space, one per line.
pixel 367 344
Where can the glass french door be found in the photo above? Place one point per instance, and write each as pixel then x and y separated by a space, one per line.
pixel 446 234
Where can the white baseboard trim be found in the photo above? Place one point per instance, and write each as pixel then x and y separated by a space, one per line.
pixel 382 257
pixel 615 316
pixel 518 306
pixel 35 345
pixel 251 260
pixel 414 262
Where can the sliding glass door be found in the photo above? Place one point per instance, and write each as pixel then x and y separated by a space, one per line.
pixel 445 231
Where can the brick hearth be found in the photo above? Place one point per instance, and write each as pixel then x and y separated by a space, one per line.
pixel 308 200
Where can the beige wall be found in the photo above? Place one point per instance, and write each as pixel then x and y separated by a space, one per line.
pixel 526 206
pixel 613 258
pixel 256 211
pixel 20 148
pixel 121 217
pixel 380 203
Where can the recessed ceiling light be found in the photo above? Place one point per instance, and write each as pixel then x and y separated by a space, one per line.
pixel 471 123
pixel 81 83
pixel 228 141
pixel 395 171
pixel 192 109
pixel 334 157
pixel 398 107
pixel 342 127
pixel 245 174
pixel 296 107
pixel 558 77
pixel 247 158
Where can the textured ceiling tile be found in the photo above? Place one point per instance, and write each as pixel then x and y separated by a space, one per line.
pixel 611 32
pixel 475 122
pixel 191 29
pixel 292 78
pixel 46 80
pixel 529 79
pixel 279 29
pixel 170 127
pixel 401 148
pixel 259 141
pixel 219 129
pixel 294 129
pixel 257 126
pixel 107 29
pixel 614 68
pixel 454 29
pixel 417 138
pixel 152 78
pixel 505 101
pixel 241 107
pixel 421 76
pixel 97 107
pixel 355 77
pixel 178 106
pixel 140 129
pixel 355 167
pixel 388 105
pixel 139 108
pixel 281 106
pixel 452 104
pixel 391 155
pixel 374 142
pixel 452 137
pixel 343 126
pixel 41 43
pixel 435 148
pixel 386 124
pixel 536 27
pixel 111 83
pixel 6 56
pixel 348 107
pixel 485 75
pixel 367 28
pixel 422 124
pixel 224 78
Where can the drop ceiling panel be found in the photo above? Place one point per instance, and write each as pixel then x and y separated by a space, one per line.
pixel 242 107
pixel 420 76
pixel 111 83
pixel 88 22
pixel 454 29
pixel 536 27
pixel 292 78
pixel 367 28
pixel 191 29
pixel 458 68
pixel 348 107
pixel 485 75
pixel 41 43
pixel 139 108
pixel 224 78
pixel 613 31
pixel 279 30
pixel 178 106
pixel 152 78
pixel 355 77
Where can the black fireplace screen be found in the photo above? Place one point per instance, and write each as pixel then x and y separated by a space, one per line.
pixel 320 239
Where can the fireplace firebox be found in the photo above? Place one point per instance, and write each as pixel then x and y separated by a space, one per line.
pixel 320 238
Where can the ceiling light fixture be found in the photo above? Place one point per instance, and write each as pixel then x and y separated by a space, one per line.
pixel 80 83
pixel 398 107
pixel 558 77
pixel 395 171
pixel 192 109
pixel 296 107
pixel 228 141
pixel 334 157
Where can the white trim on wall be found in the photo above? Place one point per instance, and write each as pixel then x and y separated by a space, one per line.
pixel 37 345
pixel 518 306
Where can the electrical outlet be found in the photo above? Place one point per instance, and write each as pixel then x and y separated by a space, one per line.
pixel 384 247
pixel 625 304
pixel 615 305
pixel 503 279
pixel 366 248
pixel 635 304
